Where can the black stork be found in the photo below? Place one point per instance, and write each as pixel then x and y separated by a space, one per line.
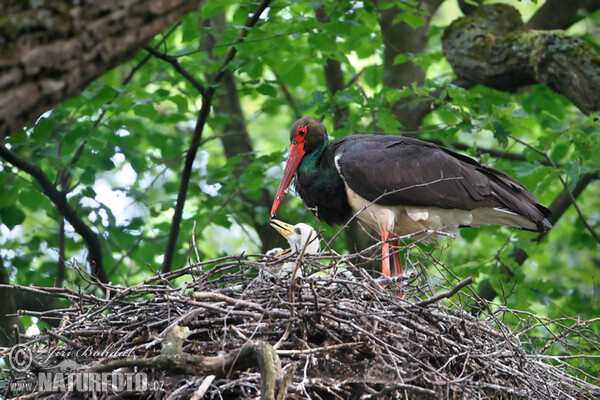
pixel 407 186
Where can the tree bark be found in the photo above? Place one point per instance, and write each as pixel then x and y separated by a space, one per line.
pixel 560 14
pixel 401 39
pixel 9 322
pixel 493 49
pixel 334 77
pixel 49 51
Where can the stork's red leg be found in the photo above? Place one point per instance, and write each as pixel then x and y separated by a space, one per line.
pixel 385 254
pixel 397 265
pixel 397 262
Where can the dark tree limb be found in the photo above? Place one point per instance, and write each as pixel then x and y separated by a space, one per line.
pixel 173 61
pixel 447 294
pixel 402 39
pixel 60 201
pixel 173 360
pixel 236 142
pixel 564 200
pixel 51 53
pixel 468 7
pixel 490 48
pixel 494 153
pixel 207 99
pixel 560 14
pixel 558 207
pixel 9 322
pixel 334 77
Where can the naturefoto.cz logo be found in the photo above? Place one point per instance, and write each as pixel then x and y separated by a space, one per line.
pixel 68 375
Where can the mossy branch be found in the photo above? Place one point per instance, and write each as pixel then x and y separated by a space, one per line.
pixel 173 360
pixel 493 48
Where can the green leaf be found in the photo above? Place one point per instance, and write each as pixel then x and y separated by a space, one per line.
pixel 213 8
pixel 322 42
pixel 43 128
pixel 525 169
pixel 413 20
pixel 500 132
pixel 292 74
pixel 145 110
pixel 32 199
pixel 573 171
pixel 559 151
pixel 400 59
pixel 181 102
pixel 11 216
pixel 340 28
pixel 267 90
pixel 469 234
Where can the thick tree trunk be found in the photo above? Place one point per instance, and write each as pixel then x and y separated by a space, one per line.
pixel 50 51
pixel 401 39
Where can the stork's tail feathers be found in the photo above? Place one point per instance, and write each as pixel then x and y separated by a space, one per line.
pixel 544 225
pixel 516 198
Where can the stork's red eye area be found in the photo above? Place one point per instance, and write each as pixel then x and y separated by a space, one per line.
pixel 300 134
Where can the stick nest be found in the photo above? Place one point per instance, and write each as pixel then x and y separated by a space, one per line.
pixel 223 329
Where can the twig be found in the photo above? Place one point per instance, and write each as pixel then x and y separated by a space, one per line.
pixel 567 190
pixel 60 201
pixel 186 173
pixel 446 294
pixel 356 215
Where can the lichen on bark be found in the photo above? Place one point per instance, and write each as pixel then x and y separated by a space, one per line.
pixel 492 48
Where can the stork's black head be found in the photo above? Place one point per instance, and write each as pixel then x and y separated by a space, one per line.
pixel 307 134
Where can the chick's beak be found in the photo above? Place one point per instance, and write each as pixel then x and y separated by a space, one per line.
pixel 283 228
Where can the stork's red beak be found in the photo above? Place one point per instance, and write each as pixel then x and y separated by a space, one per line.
pixel 294 158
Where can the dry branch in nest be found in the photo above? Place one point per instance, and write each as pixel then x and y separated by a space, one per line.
pixel 222 329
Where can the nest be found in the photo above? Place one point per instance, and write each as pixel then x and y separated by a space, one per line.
pixel 224 329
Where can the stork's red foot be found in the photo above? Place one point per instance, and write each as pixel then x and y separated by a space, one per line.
pixel 385 255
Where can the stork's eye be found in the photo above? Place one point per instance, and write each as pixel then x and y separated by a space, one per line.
pixel 300 134
pixel 297 231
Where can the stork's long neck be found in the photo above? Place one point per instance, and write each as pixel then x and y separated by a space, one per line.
pixel 309 166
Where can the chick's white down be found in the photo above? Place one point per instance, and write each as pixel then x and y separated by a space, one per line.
pixel 301 234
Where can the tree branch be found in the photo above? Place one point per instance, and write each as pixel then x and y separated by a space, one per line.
pixel 197 136
pixel 567 191
pixel 334 76
pixel 9 322
pixel 490 48
pixel 401 39
pixel 494 153
pixel 446 294
pixel 560 14
pixel 60 201
pixel 236 142
pixel 41 63
pixel 558 207
pixel 469 7
pixel 173 61
pixel 562 202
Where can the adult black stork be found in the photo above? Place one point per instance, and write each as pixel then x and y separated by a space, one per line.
pixel 404 185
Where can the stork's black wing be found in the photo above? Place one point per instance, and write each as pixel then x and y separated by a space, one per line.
pixel 416 173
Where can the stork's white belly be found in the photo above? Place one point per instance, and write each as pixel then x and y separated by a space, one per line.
pixel 405 220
